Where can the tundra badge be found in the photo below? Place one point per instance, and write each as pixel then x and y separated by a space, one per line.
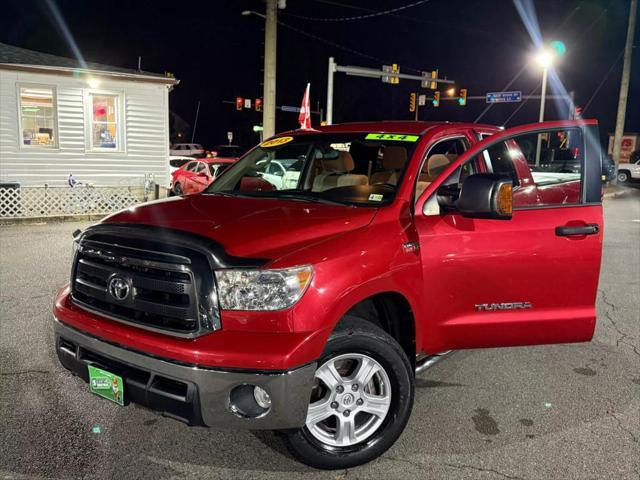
pixel 503 306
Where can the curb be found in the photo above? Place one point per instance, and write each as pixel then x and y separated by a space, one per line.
pixel 89 217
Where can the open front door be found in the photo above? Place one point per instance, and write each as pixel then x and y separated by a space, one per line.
pixel 531 279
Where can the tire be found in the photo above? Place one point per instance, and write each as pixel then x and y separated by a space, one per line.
pixel 177 189
pixel 623 176
pixel 320 446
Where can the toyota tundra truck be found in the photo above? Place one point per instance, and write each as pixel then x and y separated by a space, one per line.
pixel 308 308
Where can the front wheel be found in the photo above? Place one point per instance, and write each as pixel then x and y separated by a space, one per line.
pixel 623 176
pixel 361 399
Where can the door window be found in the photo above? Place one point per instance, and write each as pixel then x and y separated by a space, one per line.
pixel 191 167
pixel 439 157
pixel 546 168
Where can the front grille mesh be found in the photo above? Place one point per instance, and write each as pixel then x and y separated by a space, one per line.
pixel 162 287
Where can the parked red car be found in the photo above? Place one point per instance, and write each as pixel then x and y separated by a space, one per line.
pixel 196 175
pixel 308 309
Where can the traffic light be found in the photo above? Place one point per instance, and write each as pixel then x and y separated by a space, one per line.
pixel 239 103
pixel 462 99
pixel 436 98
pixel 395 69
pixel 434 77
pixel 412 102
pixel 258 104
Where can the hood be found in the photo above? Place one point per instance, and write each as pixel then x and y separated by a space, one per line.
pixel 249 227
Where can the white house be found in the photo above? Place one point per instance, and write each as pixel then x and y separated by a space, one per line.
pixel 105 125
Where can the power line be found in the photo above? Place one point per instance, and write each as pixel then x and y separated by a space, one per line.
pixel 602 82
pixel 521 105
pixel 359 17
pixel 407 18
pixel 341 47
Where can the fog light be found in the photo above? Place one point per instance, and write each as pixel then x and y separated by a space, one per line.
pixel 262 397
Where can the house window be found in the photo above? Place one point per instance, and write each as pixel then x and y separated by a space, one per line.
pixel 105 121
pixel 38 116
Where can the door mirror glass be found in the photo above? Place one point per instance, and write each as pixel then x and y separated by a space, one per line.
pixel 486 195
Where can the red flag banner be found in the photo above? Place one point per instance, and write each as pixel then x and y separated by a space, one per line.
pixel 305 111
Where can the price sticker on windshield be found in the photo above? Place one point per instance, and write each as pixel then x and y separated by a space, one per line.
pixel 396 137
pixel 276 142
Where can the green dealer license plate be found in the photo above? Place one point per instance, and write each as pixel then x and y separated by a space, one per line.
pixel 106 384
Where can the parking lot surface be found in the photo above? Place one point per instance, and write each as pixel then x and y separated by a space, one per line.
pixel 559 411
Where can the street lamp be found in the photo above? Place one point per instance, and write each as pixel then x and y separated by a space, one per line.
pixel 545 58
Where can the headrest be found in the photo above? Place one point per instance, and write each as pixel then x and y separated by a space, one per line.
pixel 344 163
pixel 394 158
pixel 437 163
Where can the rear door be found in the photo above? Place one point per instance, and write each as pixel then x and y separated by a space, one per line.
pixel 528 280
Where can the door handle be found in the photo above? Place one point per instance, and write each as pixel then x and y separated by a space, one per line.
pixel 590 229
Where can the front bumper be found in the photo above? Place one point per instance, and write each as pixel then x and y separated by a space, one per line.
pixel 194 395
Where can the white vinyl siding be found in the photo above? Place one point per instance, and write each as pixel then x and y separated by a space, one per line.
pixel 143 124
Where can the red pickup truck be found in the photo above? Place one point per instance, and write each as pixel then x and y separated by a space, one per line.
pixel 308 309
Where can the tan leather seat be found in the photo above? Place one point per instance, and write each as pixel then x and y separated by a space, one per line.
pixel 393 161
pixel 431 169
pixel 336 174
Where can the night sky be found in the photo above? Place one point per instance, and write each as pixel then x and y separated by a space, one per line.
pixel 216 53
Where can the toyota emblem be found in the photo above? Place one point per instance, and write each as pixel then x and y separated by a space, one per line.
pixel 119 288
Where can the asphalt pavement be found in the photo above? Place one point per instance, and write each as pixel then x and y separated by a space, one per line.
pixel 549 412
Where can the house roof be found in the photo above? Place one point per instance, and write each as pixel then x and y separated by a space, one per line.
pixel 24 59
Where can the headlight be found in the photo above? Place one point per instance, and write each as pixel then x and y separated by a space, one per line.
pixel 262 289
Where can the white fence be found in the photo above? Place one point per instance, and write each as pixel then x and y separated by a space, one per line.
pixel 36 202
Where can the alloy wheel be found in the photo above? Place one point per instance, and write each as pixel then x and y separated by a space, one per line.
pixel 350 400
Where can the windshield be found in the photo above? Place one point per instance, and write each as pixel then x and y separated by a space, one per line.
pixel 352 169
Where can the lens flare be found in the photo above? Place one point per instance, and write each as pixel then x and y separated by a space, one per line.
pixel 61 25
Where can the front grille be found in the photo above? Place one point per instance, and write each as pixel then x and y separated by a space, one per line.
pixel 147 283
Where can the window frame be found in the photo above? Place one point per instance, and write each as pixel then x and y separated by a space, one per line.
pixel 56 134
pixel 120 119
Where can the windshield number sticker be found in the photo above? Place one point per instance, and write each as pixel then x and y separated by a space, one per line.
pixel 276 142
pixel 376 197
pixel 397 137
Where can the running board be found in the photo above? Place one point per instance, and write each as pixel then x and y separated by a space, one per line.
pixel 430 361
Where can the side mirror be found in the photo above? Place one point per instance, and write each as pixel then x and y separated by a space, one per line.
pixel 486 195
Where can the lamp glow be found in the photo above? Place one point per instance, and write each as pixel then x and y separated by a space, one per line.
pixel 544 58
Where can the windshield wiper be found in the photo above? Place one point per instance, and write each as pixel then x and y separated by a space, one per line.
pixel 310 198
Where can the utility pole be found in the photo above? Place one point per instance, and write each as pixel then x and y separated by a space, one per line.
pixel 543 95
pixel 269 94
pixel 624 84
pixel 332 70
